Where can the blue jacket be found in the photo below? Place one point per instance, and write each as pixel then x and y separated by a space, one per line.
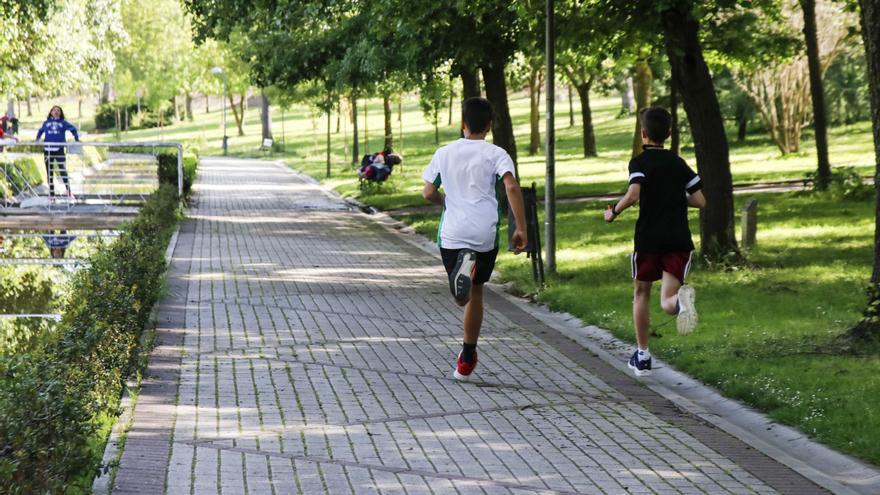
pixel 55 129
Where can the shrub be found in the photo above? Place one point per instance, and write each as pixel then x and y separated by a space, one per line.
pixel 21 173
pixel 53 396
pixel 845 183
pixel 168 170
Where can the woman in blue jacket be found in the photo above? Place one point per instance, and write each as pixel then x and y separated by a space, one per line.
pixel 55 157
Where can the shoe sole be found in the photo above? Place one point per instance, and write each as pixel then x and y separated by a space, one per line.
pixel 462 378
pixel 639 372
pixel 462 275
pixel 686 321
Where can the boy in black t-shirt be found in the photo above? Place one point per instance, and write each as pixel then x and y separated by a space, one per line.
pixel 664 186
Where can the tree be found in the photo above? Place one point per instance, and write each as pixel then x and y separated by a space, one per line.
pixel 781 91
pixel 869 327
pixel 433 93
pixel 817 94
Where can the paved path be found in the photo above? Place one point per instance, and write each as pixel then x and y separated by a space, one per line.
pixel 305 349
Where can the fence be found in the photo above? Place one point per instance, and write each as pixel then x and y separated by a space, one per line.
pixel 76 180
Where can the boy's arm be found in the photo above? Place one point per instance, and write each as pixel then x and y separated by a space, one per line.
pixel 630 198
pixel 517 206
pixel 432 194
pixel 696 199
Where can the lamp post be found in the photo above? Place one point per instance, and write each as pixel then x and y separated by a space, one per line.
pixel 219 71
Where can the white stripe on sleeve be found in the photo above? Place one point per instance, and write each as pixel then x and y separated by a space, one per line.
pixel 635 174
pixel 692 182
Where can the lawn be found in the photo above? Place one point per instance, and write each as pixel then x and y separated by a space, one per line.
pixel 767 331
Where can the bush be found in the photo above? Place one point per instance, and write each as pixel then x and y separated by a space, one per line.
pixel 21 173
pixel 105 116
pixel 53 397
pixel 846 183
pixel 168 170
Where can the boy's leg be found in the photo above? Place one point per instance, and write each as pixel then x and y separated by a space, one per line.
pixel 669 293
pixel 473 315
pixel 641 312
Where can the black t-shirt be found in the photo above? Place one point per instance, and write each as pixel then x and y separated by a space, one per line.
pixel 662 226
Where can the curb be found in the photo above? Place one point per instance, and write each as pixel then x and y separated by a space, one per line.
pixel 112 453
pixel 838 472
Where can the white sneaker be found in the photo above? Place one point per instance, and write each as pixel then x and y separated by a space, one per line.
pixel 686 321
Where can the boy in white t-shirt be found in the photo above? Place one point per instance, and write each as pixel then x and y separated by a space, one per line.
pixel 469 169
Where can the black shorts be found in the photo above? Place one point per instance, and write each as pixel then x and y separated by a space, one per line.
pixel 485 263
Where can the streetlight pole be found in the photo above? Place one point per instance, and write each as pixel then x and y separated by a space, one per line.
pixel 218 70
pixel 550 181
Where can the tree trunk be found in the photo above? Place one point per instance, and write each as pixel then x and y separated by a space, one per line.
pixel 10 108
pixel 534 132
pixel 627 96
pixel 106 89
pixel 79 104
pixel 189 106
pixel 437 125
pixel 176 109
pixel 400 122
pixel 589 134
pixel 29 113
pixel 238 113
pixel 707 128
pixel 366 129
pixel 570 108
pixel 642 84
pixel 742 128
pixel 389 135
pixel 338 114
pixel 451 97
pixel 207 104
pixel 329 115
pixel 820 121
pixel 470 80
pixel 502 126
pixel 266 117
pixel 355 152
pixel 675 137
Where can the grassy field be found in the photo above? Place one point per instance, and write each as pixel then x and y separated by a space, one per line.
pixel 767 332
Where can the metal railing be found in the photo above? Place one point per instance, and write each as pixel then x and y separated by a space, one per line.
pixel 112 182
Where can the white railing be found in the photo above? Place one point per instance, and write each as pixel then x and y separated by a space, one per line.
pixel 111 182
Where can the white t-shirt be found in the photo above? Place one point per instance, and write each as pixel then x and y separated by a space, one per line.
pixel 468 169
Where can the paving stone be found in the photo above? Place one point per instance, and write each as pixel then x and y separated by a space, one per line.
pixel 316 354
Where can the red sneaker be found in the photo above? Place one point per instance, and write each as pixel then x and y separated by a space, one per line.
pixel 463 370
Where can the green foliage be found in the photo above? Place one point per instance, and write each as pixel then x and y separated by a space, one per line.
pixel 52 397
pixel 168 170
pixel 846 183
pixel 21 173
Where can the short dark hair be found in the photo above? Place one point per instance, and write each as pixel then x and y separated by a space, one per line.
pixel 477 113
pixel 656 122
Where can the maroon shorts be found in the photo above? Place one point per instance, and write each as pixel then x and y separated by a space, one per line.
pixel 649 267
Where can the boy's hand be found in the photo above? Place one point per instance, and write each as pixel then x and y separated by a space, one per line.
pixel 609 215
pixel 519 241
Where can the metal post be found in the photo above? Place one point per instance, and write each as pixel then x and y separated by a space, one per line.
pixel 550 181
pixel 180 171
pixel 225 146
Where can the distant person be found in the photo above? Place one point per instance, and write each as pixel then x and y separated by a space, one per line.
pixel 664 186
pixel 55 129
pixel 468 169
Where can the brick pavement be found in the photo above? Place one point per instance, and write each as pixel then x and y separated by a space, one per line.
pixel 305 349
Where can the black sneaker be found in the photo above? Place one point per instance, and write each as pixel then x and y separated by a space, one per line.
pixel 462 275
pixel 640 367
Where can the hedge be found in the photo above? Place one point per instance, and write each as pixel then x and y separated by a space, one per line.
pixel 54 397
pixel 168 170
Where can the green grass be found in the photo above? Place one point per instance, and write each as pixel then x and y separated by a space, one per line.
pixel 765 332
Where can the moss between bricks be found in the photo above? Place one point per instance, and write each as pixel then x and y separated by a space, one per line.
pixel 56 400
